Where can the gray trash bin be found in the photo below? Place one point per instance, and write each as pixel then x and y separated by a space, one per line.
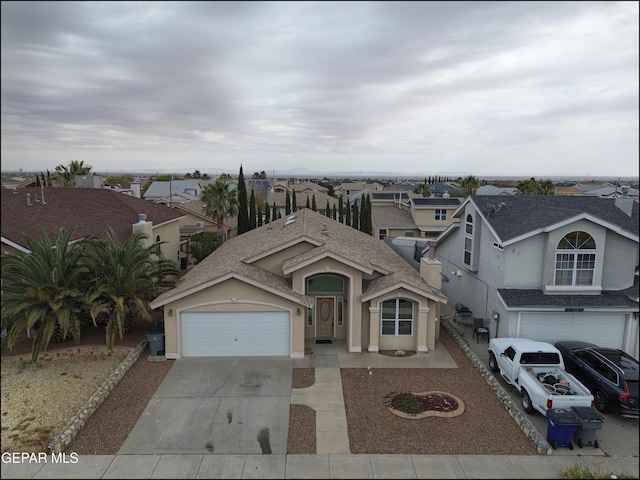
pixel 589 420
pixel 156 343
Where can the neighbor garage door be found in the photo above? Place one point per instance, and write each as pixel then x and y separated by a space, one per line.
pixel 235 333
pixel 606 331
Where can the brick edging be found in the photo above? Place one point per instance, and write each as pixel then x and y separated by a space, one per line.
pixel 71 429
pixel 514 410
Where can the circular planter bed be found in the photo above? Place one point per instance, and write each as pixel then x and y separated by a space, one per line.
pixel 426 404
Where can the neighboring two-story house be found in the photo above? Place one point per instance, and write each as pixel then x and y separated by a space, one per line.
pixel 547 267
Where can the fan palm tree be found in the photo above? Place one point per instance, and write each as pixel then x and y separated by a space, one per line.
pixel 127 276
pixel 43 290
pixel 218 203
pixel 66 176
pixel 470 184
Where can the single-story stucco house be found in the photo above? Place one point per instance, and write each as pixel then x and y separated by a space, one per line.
pixel 300 278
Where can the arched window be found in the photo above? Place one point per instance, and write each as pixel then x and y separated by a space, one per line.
pixel 575 259
pixel 468 239
pixel 397 317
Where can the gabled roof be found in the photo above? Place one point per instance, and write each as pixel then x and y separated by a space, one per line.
pixel 337 241
pixel 90 211
pixel 161 189
pixel 306 185
pixel 388 216
pixel 520 216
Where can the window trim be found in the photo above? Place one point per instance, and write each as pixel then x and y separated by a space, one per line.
pixel 397 320
pixel 574 250
pixel 441 214
pixel 467 247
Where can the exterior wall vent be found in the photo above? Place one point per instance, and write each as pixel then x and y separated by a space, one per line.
pixel 199 224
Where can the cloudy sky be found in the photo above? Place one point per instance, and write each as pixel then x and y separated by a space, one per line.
pixel 416 88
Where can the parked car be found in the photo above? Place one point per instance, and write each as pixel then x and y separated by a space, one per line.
pixel 610 374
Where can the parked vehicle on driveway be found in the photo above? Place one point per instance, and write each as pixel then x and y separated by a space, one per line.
pixel 609 373
pixel 536 369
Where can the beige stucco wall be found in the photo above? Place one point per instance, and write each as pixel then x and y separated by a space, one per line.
pixel 229 296
pixel 168 232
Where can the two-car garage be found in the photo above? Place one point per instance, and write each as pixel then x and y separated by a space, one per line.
pixel 604 330
pixel 235 333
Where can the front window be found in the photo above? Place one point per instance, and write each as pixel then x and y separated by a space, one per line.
pixel 397 317
pixel 468 240
pixel 575 260
pixel 382 234
pixel 441 214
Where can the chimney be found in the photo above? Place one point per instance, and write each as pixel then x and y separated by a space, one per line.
pixel 432 250
pixel 625 202
pixel 430 268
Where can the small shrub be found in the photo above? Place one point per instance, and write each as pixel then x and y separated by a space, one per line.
pixel 404 402
pixel 584 472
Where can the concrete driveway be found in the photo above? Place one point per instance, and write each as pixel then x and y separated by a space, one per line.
pixel 219 405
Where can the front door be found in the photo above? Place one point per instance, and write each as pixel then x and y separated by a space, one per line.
pixel 324 320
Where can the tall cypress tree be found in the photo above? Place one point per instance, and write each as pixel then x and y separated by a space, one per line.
pixel 327 210
pixel 308 205
pixel 363 213
pixel 348 212
pixel 287 203
pixel 252 210
pixel 275 212
pixel 355 216
pixel 340 210
pixel 259 216
pixel 313 203
pixel 243 207
pixel 335 212
pixel 267 213
pixel 294 202
pixel 369 217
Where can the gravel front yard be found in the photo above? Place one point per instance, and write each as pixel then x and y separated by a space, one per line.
pixel 484 428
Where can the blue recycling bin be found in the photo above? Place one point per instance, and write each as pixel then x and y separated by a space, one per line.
pixel 561 424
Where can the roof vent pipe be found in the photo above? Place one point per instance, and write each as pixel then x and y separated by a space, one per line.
pixel 142 217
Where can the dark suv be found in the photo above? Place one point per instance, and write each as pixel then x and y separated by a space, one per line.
pixel 610 374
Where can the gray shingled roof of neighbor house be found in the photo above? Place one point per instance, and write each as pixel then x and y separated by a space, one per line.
pixel 523 298
pixel 91 211
pixel 384 216
pixel 339 241
pixel 519 215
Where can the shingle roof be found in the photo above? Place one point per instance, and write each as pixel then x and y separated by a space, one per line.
pixel 90 211
pixel 384 216
pixel 520 215
pixel 435 201
pixel 514 298
pixel 340 241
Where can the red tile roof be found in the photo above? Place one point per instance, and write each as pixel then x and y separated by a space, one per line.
pixel 90 211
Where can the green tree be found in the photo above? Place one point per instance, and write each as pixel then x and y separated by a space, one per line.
pixel 470 184
pixel 313 203
pixel 327 210
pixel 355 215
pixel 334 214
pixel 260 176
pixel 348 214
pixel 218 203
pixel 340 210
pixel 546 187
pixel 252 210
pixel 287 203
pixel 308 204
pixel 267 213
pixel 275 213
pixel 202 244
pixel 243 207
pixel 527 187
pixel 259 216
pixel 43 290
pixel 66 175
pixel 294 201
pixel 127 277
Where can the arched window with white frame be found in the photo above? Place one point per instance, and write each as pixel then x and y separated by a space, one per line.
pixel 575 260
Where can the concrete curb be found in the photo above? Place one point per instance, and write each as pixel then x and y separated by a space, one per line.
pixel 71 429
pixel 514 410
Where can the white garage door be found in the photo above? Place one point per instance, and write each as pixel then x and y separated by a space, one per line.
pixel 606 331
pixel 235 333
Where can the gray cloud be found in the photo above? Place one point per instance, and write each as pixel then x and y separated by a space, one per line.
pixel 334 85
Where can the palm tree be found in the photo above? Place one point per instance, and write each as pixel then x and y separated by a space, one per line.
pixel 470 184
pixel 546 187
pixel 42 290
pixel 127 277
pixel 66 176
pixel 527 187
pixel 218 203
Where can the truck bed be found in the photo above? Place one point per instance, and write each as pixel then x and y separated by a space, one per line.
pixel 554 380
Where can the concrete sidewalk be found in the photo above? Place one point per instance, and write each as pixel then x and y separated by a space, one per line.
pixel 315 466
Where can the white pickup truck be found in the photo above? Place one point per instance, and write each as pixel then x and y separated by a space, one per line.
pixel 536 369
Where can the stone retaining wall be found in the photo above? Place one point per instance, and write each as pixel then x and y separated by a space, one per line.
pixel 514 410
pixel 71 429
